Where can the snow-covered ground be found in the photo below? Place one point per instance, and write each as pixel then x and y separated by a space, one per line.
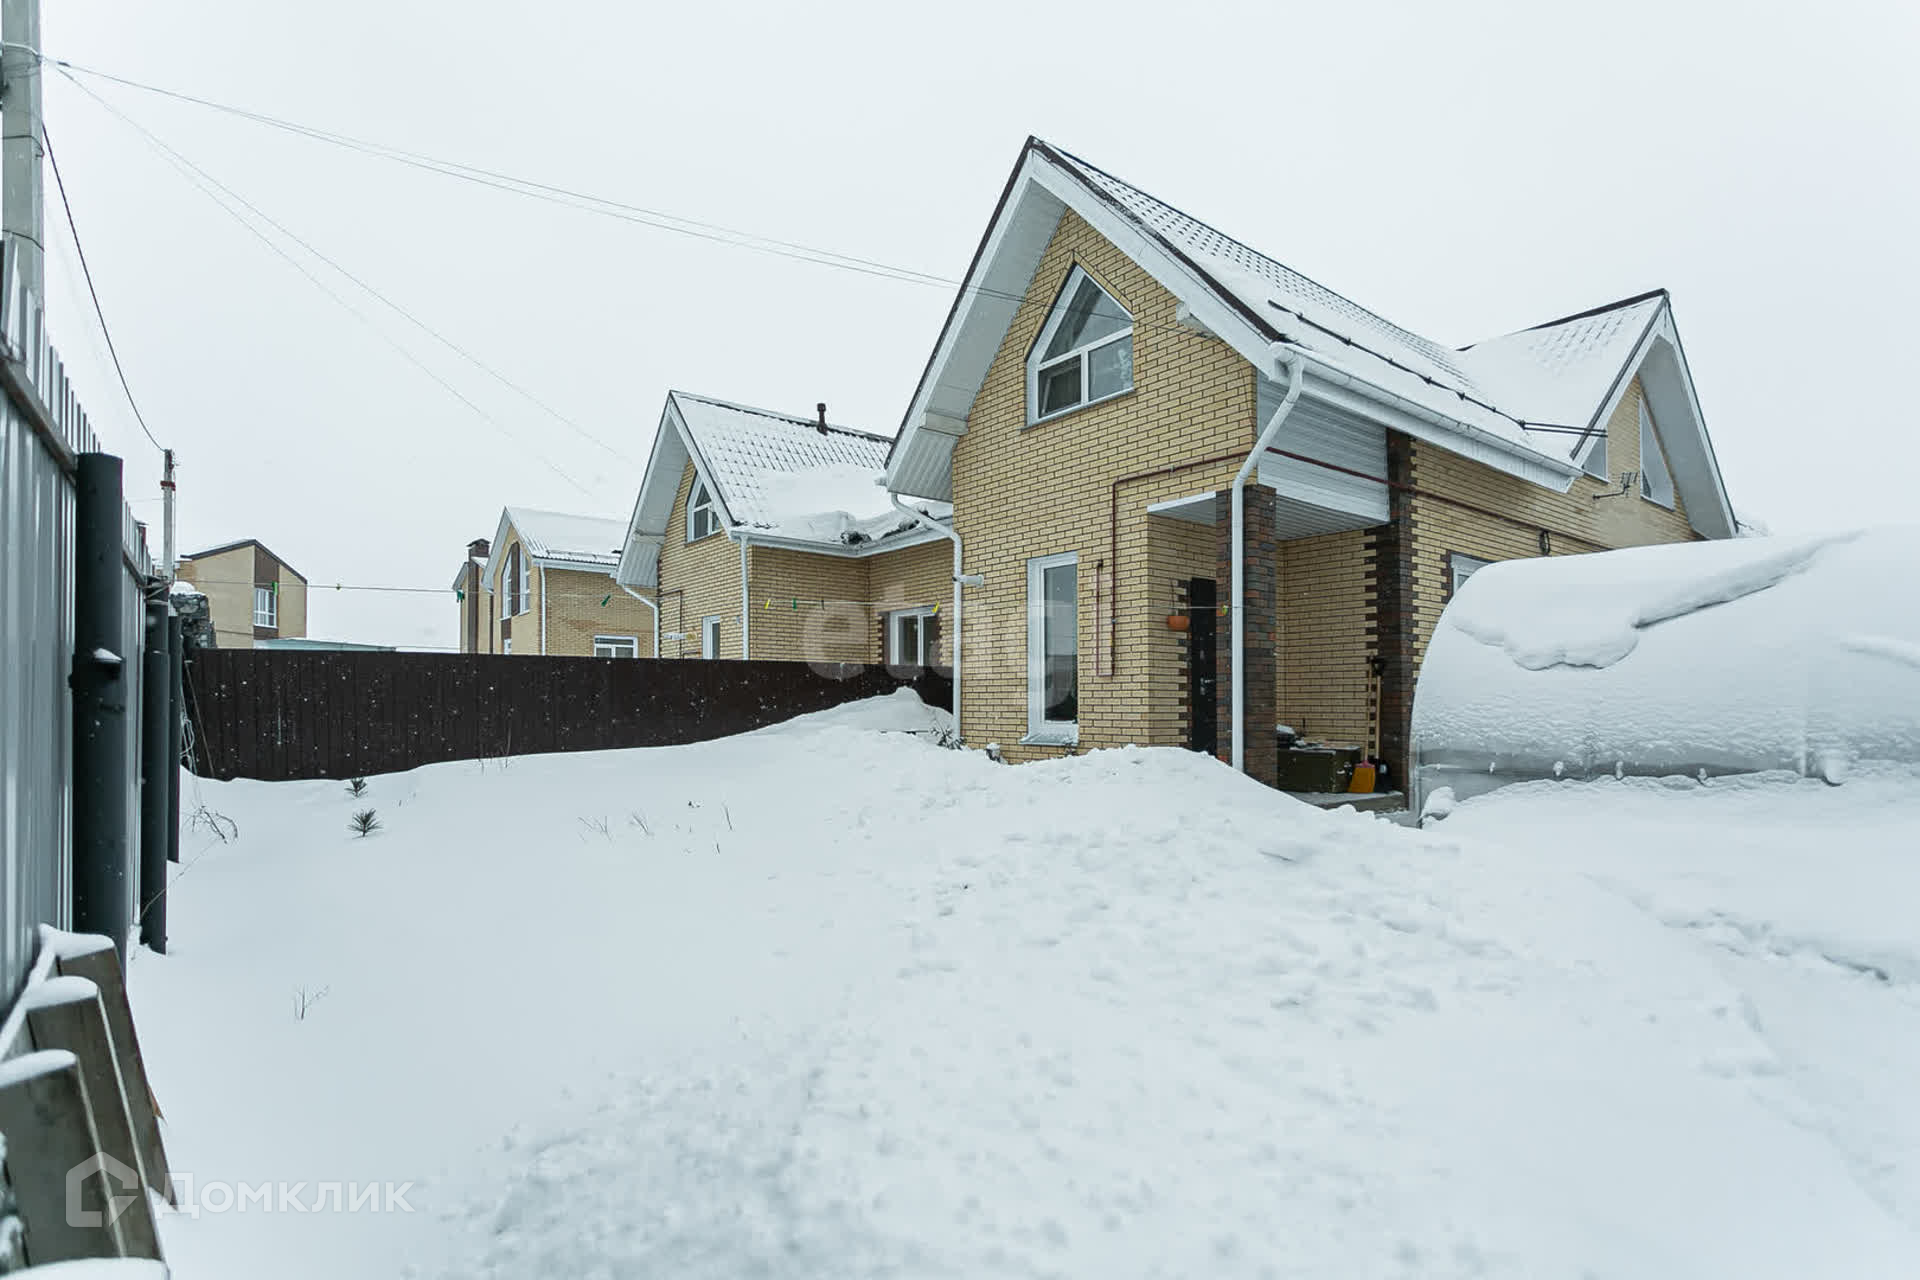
pixel 823 1001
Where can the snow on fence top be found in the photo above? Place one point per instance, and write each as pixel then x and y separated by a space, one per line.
pixel 1723 657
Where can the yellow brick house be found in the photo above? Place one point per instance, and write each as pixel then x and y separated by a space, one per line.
pixel 765 535
pixel 543 584
pixel 1203 496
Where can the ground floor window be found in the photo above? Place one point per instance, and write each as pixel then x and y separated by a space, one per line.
pixel 910 635
pixel 1460 567
pixel 616 646
pixel 1053 649
pixel 710 636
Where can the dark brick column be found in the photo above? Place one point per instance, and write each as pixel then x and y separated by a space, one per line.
pixel 1261 609
pixel 1390 547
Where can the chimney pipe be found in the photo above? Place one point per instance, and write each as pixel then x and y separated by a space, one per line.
pixel 822 425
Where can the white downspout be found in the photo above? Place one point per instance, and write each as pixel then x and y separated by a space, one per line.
pixel 543 611
pixel 744 614
pixel 651 604
pixel 1295 369
pixel 953 536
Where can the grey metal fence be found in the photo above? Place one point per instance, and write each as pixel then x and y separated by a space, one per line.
pixel 42 430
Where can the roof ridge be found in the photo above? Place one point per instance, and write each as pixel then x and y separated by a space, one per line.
pixel 778 416
pixel 1600 310
pixel 1418 339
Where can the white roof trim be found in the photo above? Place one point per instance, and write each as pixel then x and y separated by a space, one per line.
pixel 1042 189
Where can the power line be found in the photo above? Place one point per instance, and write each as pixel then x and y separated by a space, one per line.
pixel 207 184
pixel 698 228
pixel 87 271
pixel 376 294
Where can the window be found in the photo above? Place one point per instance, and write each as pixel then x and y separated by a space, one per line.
pixel 616 646
pixel 1592 456
pixel 513 584
pixel 1656 482
pixel 702 519
pixel 1460 567
pixel 1053 650
pixel 1084 353
pixel 910 637
pixel 710 637
pixel 266 606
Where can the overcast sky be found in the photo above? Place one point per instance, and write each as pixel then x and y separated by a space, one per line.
pixel 1463 169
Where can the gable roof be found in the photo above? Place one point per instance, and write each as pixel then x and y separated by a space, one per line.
pixel 774 478
pixel 1517 403
pixel 555 540
pixel 225 547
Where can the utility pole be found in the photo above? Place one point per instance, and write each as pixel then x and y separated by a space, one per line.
pixel 168 568
pixel 21 214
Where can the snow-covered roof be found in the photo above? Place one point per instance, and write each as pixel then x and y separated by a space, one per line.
pixel 1518 403
pixel 1549 376
pixel 554 539
pixel 774 477
pixel 561 535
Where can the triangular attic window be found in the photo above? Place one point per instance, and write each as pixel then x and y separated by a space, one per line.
pixel 1656 482
pixel 1084 352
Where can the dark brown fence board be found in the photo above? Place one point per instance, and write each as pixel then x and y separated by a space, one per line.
pixel 283 714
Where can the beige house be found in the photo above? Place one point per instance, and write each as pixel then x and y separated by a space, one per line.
pixel 1202 495
pixel 543 584
pixel 252 594
pixel 769 536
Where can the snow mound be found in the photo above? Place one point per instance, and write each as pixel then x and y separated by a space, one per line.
pixel 837 502
pixel 901 711
pixel 1699 659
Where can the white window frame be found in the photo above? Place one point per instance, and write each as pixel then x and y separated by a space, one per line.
pixel 1039 728
pixel 1460 567
pixel 270 617
pixel 924 657
pixel 628 646
pixel 514 603
pixel 1035 364
pixel 701 511
pixel 1653 460
pixel 710 636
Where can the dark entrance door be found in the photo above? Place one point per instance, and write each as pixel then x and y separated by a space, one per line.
pixel 1203 718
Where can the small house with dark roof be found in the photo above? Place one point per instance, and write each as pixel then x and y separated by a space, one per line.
pixel 1201 497
pixel 252 594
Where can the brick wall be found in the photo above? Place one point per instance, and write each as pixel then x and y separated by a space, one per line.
pixel 1023 492
pixel 581 606
pixel 1325 643
pixel 697 579
pixel 1177 550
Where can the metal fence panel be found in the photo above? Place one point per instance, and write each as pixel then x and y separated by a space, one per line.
pixel 36 630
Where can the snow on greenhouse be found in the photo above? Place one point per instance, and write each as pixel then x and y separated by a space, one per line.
pixel 1700 658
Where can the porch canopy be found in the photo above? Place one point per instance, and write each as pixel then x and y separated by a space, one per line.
pixel 1698 659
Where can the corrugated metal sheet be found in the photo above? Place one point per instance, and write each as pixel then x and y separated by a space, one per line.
pixel 1318 430
pixel 36 639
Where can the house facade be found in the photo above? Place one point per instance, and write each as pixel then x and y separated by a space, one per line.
pixel 1111 366
pixel 252 594
pixel 765 535
pixel 543 585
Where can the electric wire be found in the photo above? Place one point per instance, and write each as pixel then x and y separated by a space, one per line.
pixel 207 185
pixel 99 312
pixel 369 289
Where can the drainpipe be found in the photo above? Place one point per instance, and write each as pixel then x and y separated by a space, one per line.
pixel 543 611
pixel 651 604
pixel 1295 371
pixel 745 612
pixel 959 579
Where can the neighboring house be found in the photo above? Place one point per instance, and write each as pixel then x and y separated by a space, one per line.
pixel 252 594
pixel 544 585
pixel 769 536
pixel 1108 367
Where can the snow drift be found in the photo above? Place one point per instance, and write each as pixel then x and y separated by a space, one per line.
pixel 1697 658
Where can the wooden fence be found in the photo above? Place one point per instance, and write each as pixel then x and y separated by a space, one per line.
pixel 282 714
